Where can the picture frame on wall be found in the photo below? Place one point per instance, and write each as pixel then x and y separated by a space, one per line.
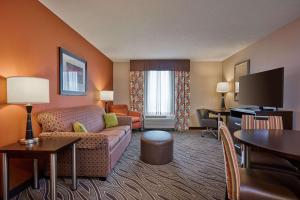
pixel 72 74
pixel 240 69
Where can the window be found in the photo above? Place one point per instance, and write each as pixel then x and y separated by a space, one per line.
pixel 159 93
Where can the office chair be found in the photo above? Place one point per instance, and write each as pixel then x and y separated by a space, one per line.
pixel 210 123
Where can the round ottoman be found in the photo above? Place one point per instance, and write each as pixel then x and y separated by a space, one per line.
pixel 156 147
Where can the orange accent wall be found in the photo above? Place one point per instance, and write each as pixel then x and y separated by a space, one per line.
pixel 30 36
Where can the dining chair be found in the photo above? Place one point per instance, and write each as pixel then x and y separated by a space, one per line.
pixel 248 184
pixel 264 160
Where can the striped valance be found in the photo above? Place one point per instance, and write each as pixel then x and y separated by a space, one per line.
pixel 160 65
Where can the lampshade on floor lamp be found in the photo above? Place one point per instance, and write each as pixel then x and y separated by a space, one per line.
pixel 27 91
pixel 222 87
pixel 106 96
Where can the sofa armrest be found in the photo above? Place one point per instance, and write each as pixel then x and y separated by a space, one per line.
pixel 88 140
pixel 135 114
pixel 124 120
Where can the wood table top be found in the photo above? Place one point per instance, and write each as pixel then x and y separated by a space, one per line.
pixel 285 142
pixel 45 145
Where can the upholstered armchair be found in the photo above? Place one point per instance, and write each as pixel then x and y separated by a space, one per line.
pixel 137 117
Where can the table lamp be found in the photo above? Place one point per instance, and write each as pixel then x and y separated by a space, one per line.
pixel 106 96
pixel 27 91
pixel 222 87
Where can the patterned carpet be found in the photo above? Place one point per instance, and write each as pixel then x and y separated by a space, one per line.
pixel 197 172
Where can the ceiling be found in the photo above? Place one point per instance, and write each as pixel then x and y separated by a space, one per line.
pixel 200 30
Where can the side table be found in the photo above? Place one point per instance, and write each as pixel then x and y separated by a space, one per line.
pixel 46 146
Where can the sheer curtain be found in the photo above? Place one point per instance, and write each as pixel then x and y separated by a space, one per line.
pixel 159 93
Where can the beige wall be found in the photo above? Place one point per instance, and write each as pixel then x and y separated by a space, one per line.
pixel 204 78
pixel 279 49
pixel 121 82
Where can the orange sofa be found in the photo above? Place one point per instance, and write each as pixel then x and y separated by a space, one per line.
pixel 122 110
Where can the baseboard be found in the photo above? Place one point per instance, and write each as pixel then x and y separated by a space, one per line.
pixel 18 189
pixel 197 128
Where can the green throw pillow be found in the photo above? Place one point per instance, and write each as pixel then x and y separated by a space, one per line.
pixel 110 120
pixel 79 127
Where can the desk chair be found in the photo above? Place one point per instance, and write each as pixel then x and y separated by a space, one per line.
pixel 210 123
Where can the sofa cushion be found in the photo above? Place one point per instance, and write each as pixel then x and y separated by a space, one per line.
pixel 114 137
pixel 61 120
pixel 113 140
pixel 125 128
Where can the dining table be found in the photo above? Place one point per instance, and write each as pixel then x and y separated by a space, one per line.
pixel 281 142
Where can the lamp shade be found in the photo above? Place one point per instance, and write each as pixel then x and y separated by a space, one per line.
pixel 237 87
pixel 27 90
pixel 222 87
pixel 106 95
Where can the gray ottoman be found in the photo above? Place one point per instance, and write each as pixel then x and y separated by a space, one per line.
pixel 156 147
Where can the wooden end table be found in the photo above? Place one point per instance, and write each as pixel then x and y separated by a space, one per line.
pixel 46 146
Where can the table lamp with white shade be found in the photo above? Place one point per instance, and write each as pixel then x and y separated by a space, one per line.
pixel 27 91
pixel 223 87
pixel 106 96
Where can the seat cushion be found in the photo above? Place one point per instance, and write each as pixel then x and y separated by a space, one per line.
pixel 266 185
pixel 113 140
pixel 135 119
pixel 125 128
pixel 259 159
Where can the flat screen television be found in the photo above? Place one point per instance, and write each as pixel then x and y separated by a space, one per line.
pixel 262 89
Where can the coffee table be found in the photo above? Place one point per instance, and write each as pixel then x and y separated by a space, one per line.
pixel 46 146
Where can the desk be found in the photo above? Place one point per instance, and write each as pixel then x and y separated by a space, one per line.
pixel 46 146
pixel 219 113
pixel 283 142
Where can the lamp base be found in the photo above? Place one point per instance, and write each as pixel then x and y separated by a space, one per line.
pixel 29 141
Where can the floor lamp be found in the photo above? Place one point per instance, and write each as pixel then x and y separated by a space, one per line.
pixel 27 91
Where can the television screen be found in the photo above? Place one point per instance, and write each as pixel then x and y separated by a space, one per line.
pixel 262 89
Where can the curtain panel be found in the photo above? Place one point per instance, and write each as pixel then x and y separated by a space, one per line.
pixel 183 100
pixel 182 86
pixel 136 90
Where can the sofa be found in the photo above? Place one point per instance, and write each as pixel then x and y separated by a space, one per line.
pixel 98 150
pixel 122 110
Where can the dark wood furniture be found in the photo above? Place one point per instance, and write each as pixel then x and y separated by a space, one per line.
pixel 235 118
pixel 282 142
pixel 46 146
pixel 219 113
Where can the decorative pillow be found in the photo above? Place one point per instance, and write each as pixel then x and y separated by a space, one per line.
pixel 110 120
pixel 79 127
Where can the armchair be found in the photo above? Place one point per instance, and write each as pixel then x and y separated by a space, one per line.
pixel 122 110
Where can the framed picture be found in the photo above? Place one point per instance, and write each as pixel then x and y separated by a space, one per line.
pixel 240 69
pixel 73 74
